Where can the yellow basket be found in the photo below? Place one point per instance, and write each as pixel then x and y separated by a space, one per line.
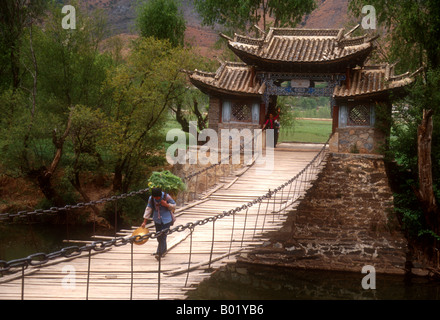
pixel 139 233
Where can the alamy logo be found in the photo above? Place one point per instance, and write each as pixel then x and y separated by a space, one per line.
pixel 369 281
pixel 69 281
pixel 233 143
pixel 369 21
pixel 69 21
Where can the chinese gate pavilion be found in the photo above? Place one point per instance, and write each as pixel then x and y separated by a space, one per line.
pixel 305 62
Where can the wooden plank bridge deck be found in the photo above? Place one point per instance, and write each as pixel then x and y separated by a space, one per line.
pixel 110 275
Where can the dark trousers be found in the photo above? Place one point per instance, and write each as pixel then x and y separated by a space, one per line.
pixel 162 239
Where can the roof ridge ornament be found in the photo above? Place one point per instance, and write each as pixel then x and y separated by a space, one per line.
pixel 259 29
pixel 221 34
pixel 351 31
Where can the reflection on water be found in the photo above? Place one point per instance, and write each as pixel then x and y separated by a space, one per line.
pixel 19 241
pixel 237 281
pixel 243 282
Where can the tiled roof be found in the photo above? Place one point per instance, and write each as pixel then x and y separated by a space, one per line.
pixel 238 78
pixel 231 77
pixel 371 80
pixel 301 45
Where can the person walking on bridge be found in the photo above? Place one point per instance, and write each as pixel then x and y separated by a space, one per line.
pixel 273 123
pixel 161 207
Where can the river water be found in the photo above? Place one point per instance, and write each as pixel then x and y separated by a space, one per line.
pixel 19 241
pixel 244 282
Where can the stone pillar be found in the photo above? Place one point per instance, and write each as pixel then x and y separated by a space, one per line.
pixel 365 140
pixel 214 113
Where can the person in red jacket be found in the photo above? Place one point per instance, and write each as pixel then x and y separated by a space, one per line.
pixel 273 123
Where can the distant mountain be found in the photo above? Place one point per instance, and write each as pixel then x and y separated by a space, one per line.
pixel 330 14
pixel 122 14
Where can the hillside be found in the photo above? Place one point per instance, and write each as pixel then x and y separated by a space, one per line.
pixel 122 13
pixel 330 14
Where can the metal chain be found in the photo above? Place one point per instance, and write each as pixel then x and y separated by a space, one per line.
pixel 39 259
pixel 22 214
pixel 4 216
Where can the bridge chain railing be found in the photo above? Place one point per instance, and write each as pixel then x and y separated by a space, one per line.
pixel 40 259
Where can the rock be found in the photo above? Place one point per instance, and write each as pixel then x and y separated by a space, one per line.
pixel 241 270
pixel 419 272
pixel 278 245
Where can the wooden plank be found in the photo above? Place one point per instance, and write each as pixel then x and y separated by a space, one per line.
pixel 213 191
pixel 231 183
pixel 110 271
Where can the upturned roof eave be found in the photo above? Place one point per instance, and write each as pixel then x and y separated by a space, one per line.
pixel 254 59
pixel 382 94
pixel 210 89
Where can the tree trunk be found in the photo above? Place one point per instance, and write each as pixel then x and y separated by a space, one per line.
pixel 117 179
pixel 76 183
pixel 34 74
pixel 44 180
pixel 201 120
pixel 95 216
pixel 180 117
pixel 44 175
pixel 426 191
pixel 15 69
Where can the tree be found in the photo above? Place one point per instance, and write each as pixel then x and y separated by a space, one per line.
pixel 414 26
pixel 426 192
pixel 86 126
pixel 143 90
pixel 70 71
pixel 242 14
pixel 15 17
pixel 163 20
pixel 189 107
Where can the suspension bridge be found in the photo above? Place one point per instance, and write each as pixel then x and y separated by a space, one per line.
pixel 224 222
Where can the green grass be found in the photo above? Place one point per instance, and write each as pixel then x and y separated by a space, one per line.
pixel 314 131
pixel 323 112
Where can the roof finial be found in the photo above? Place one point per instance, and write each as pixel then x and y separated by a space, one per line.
pixel 219 60
pixel 351 31
pixel 225 37
pixel 259 29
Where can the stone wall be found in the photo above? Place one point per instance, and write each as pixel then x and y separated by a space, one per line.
pixel 365 140
pixel 198 185
pixel 345 222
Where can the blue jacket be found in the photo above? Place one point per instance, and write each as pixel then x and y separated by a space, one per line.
pixel 161 214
